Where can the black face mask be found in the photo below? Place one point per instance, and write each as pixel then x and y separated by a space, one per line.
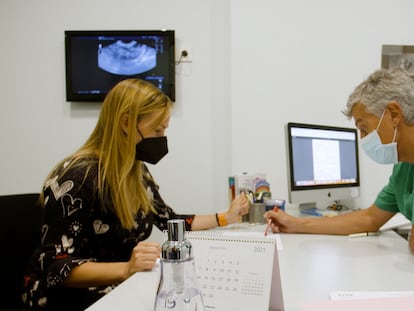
pixel 151 149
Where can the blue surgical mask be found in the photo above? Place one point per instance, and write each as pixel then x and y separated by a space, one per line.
pixel 376 150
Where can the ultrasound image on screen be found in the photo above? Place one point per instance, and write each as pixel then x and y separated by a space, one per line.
pixel 126 58
pixel 96 61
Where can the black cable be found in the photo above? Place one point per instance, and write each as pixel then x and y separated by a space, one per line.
pixel 184 53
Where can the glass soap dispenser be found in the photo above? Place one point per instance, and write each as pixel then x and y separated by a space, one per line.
pixel 178 288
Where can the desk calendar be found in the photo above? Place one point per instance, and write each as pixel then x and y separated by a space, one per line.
pixel 237 273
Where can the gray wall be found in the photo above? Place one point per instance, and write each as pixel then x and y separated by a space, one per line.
pixel 256 66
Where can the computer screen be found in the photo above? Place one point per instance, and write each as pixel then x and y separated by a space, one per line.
pixel 97 60
pixel 323 164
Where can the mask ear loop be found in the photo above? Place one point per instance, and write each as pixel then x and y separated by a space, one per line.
pixel 379 123
pixel 395 134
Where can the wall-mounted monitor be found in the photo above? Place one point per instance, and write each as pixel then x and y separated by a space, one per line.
pixel 323 164
pixel 97 60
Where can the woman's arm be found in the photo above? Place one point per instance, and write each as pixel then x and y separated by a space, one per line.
pixel 91 274
pixel 239 207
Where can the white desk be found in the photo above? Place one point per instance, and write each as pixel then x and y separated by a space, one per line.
pixel 311 266
pixel 136 293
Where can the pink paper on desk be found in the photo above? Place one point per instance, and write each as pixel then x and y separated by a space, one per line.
pixel 374 304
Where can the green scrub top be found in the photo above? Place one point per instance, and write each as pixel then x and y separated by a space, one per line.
pixel 397 195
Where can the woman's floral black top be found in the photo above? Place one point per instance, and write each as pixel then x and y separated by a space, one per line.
pixel 78 227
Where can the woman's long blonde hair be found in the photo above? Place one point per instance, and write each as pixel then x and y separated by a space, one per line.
pixel 119 173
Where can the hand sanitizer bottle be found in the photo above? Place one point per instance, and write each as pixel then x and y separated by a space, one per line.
pixel 178 288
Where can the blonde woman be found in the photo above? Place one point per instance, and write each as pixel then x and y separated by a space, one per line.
pixel 101 203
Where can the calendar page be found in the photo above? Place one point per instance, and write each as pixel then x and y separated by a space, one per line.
pixel 236 273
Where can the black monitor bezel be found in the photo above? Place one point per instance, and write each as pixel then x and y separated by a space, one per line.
pixel 292 185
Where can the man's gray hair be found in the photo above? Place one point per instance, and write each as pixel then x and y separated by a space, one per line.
pixel 382 87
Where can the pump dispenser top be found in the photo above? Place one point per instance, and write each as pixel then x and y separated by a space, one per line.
pixel 176 247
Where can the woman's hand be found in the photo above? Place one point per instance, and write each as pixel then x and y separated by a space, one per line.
pixel 144 256
pixel 239 206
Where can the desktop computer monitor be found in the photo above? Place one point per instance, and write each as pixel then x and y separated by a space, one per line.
pixel 323 164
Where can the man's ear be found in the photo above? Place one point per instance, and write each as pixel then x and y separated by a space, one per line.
pixel 124 123
pixel 395 111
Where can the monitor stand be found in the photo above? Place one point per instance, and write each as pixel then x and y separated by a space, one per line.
pixel 309 209
pixel 309 205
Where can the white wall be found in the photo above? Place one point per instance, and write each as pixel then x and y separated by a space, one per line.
pixel 299 60
pixel 38 127
pixel 256 66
